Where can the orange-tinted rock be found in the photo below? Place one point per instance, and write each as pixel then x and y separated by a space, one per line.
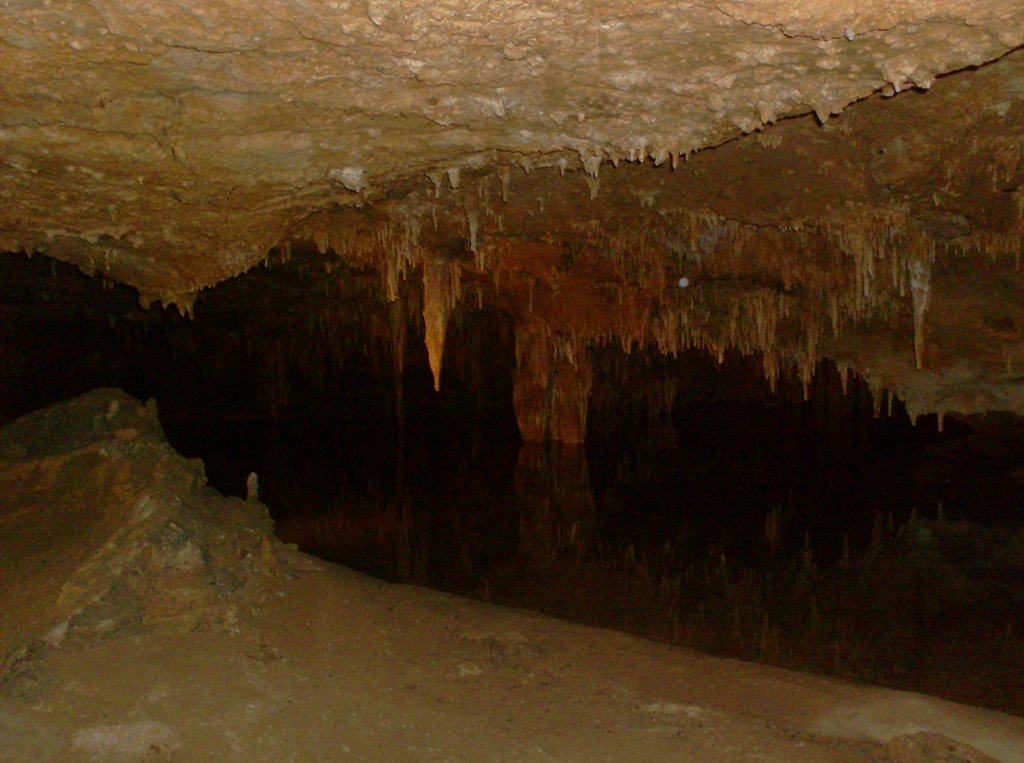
pixel 551 386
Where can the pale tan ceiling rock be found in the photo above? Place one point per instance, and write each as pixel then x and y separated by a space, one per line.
pixel 169 145
pixel 850 18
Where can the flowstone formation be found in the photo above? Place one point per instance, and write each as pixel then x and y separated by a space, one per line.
pixel 794 179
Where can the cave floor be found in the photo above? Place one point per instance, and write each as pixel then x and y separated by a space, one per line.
pixel 145 617
pixel 319 663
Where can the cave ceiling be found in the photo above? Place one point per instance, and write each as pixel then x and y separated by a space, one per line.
pixel 796 178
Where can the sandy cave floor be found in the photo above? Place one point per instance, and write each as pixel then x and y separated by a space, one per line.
pixel 160 622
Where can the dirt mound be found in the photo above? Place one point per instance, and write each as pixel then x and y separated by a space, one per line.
pixel 103 527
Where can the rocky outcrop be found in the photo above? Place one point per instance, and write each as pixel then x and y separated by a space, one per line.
pixel 105 528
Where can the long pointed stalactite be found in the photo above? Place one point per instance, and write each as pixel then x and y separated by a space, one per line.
pixel 439 296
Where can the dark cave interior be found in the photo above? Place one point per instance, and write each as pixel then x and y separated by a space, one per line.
pixel 815 527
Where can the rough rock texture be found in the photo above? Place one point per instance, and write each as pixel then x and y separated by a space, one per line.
pixel 105 528
pixel 159 630
pixel 169 147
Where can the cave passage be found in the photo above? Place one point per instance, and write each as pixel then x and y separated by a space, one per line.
pixel 811 525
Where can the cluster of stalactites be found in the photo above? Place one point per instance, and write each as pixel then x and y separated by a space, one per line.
pixel 391 244
pixel 707 295
pixel 890 258
pixel 696 280
pixel 701 246
pixel 893 260
pixel 876 261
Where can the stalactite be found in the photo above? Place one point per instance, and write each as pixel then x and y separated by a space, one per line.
pixel 505 178
pixel 441 292
pixel 471 206
pixel 744 288
pixel 591 164
pixel 322 241
pixel 877 394
pixel 920 289
pixel 844 371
